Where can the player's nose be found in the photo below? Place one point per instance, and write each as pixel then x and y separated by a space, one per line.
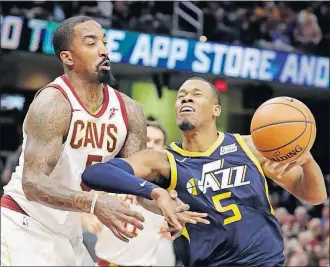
pixel 103 51
pixel 187 99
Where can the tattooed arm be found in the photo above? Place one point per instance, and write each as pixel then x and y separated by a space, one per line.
pixel 47 120
pixel 137 128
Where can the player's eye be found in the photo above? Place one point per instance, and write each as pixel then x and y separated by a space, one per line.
pixel 105 42
pixel 91 44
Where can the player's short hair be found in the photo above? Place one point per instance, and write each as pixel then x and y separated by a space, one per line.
pixel 64 33
pixel 215 90
pixel 156 124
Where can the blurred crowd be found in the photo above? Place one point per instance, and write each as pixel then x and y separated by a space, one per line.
pixel 306 239
pixel 285 26
pixel 305 228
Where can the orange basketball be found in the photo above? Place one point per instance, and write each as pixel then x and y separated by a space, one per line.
pixel 282 129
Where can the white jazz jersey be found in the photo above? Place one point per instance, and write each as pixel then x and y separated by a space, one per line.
pixel 142 250
pixel 91 138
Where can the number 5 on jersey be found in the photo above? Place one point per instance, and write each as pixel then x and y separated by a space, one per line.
pixel 209 180
pixel 92 159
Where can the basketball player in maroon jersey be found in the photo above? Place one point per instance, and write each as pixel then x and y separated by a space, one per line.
pixel 73 122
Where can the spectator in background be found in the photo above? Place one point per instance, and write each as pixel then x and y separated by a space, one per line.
pixel 306 242
pixel 325 214
pixel 314 227
pixel 287 16
pixel 151 20
pixel 99 11
pixel 276 27
pixel 121 16
pixel 324 253
pixel 271 17
pixel 40 10
pixel 11 163
pixel 280 39
pixel 307 34
pixel 156 135
pixel 301 219
pixel 221 31
pixel 105 8
pixel 58 12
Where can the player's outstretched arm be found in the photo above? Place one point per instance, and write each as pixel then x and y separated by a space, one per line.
pixel 139 174
pixel 47 121
pixel 123 176
pixel 302 178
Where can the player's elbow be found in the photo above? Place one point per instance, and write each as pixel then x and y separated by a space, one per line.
pixel 317 199
pixel 320 200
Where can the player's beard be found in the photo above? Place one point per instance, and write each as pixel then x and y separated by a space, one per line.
pixel 186 126
pixel 106 76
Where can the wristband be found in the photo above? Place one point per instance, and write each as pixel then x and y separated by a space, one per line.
pixel 93 203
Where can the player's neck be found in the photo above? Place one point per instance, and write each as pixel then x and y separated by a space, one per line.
pixel 199 140
pixel 81 84
pixel 91 93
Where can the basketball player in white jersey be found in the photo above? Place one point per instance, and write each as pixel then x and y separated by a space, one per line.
pixel 73 122
pixel 149 248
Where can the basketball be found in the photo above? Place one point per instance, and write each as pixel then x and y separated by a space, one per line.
pixel 282 129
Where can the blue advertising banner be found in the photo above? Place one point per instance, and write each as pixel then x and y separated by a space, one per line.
pixel 180 54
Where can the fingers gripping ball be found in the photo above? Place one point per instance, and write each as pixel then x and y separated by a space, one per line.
pixel 282 129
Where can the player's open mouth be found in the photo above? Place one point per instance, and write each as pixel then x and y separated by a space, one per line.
pixel 187 109
pixel 105 65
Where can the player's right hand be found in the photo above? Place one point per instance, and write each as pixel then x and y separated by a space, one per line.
pixel 113 212
pixel 168 207
pixel 184 216
pixel 187 216
pixel 176 212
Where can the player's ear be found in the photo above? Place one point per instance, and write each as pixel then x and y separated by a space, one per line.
pixel 216 110
pixel 66 58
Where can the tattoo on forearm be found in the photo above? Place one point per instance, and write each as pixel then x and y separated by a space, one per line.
pixel 47 121
pixel 58 196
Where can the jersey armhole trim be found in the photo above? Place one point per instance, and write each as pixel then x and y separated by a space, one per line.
pixel 174 172
pixel 122 108
pixel 252 157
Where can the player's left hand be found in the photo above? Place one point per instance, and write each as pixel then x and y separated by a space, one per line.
pixel 276 169
pixel 184 216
